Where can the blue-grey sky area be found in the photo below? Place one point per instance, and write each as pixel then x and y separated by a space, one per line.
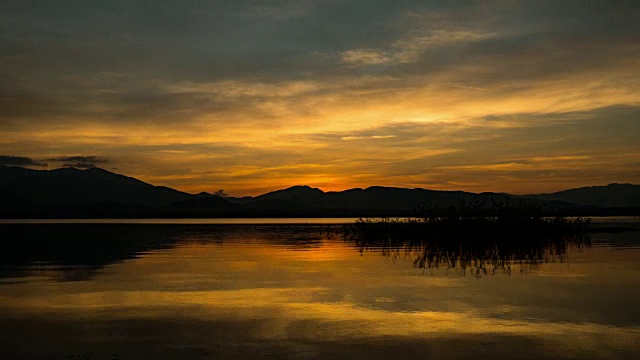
pixel 251 96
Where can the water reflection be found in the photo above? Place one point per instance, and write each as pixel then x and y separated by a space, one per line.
pixel 183 292
pixel 477 255
pixel 75 252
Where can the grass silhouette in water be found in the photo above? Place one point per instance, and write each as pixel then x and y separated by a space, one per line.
pixel 472 237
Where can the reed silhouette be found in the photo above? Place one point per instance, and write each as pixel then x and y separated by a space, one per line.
pixel 472 237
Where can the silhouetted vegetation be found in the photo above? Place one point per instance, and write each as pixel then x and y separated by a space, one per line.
pixel 472 236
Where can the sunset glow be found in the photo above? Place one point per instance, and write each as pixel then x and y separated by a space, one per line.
pixel 518 97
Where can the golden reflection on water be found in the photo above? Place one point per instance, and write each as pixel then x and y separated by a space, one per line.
pixel 326 293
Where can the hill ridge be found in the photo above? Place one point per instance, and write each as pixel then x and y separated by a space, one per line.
pixel 96 192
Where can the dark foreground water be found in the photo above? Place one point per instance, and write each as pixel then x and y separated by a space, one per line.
pixel 189 291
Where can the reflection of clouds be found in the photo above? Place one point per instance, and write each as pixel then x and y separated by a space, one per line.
pixel 256 287
pixel 284 308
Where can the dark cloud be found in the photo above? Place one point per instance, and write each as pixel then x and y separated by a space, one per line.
pixel 80 162
pixel 79 100
pixel 213 41
pixel 80 165
pixel 203 41
pixel 20 161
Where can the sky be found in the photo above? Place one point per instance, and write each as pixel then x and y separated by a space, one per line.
pixel 253 96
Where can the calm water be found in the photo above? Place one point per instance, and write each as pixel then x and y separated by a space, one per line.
pixel 183 291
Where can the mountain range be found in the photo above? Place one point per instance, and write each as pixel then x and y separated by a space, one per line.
pixel 98 193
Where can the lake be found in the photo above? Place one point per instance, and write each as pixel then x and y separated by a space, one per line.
pixel 174 289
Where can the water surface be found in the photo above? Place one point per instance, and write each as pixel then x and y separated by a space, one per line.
pixel 181 291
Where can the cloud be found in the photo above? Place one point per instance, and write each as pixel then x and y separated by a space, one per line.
pixel 246 94
pixel 80 162
pixel 366 57
pixel 7 160
pixel 409 50
pixel 348 138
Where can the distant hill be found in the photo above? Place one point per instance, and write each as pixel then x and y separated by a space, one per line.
pixel 354 202
pixel 69 191
pixel 612 195
pixel 96 193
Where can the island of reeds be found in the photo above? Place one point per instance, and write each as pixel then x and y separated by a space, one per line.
pixel 472 237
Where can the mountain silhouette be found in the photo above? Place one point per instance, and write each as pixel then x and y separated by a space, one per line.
pixel 96 193
pixel 612 195
pixel 69 191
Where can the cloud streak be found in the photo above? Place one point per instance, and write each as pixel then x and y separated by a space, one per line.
pixel 7 160
pixel 80 162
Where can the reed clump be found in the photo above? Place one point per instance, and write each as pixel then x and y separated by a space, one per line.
pixel 471 235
